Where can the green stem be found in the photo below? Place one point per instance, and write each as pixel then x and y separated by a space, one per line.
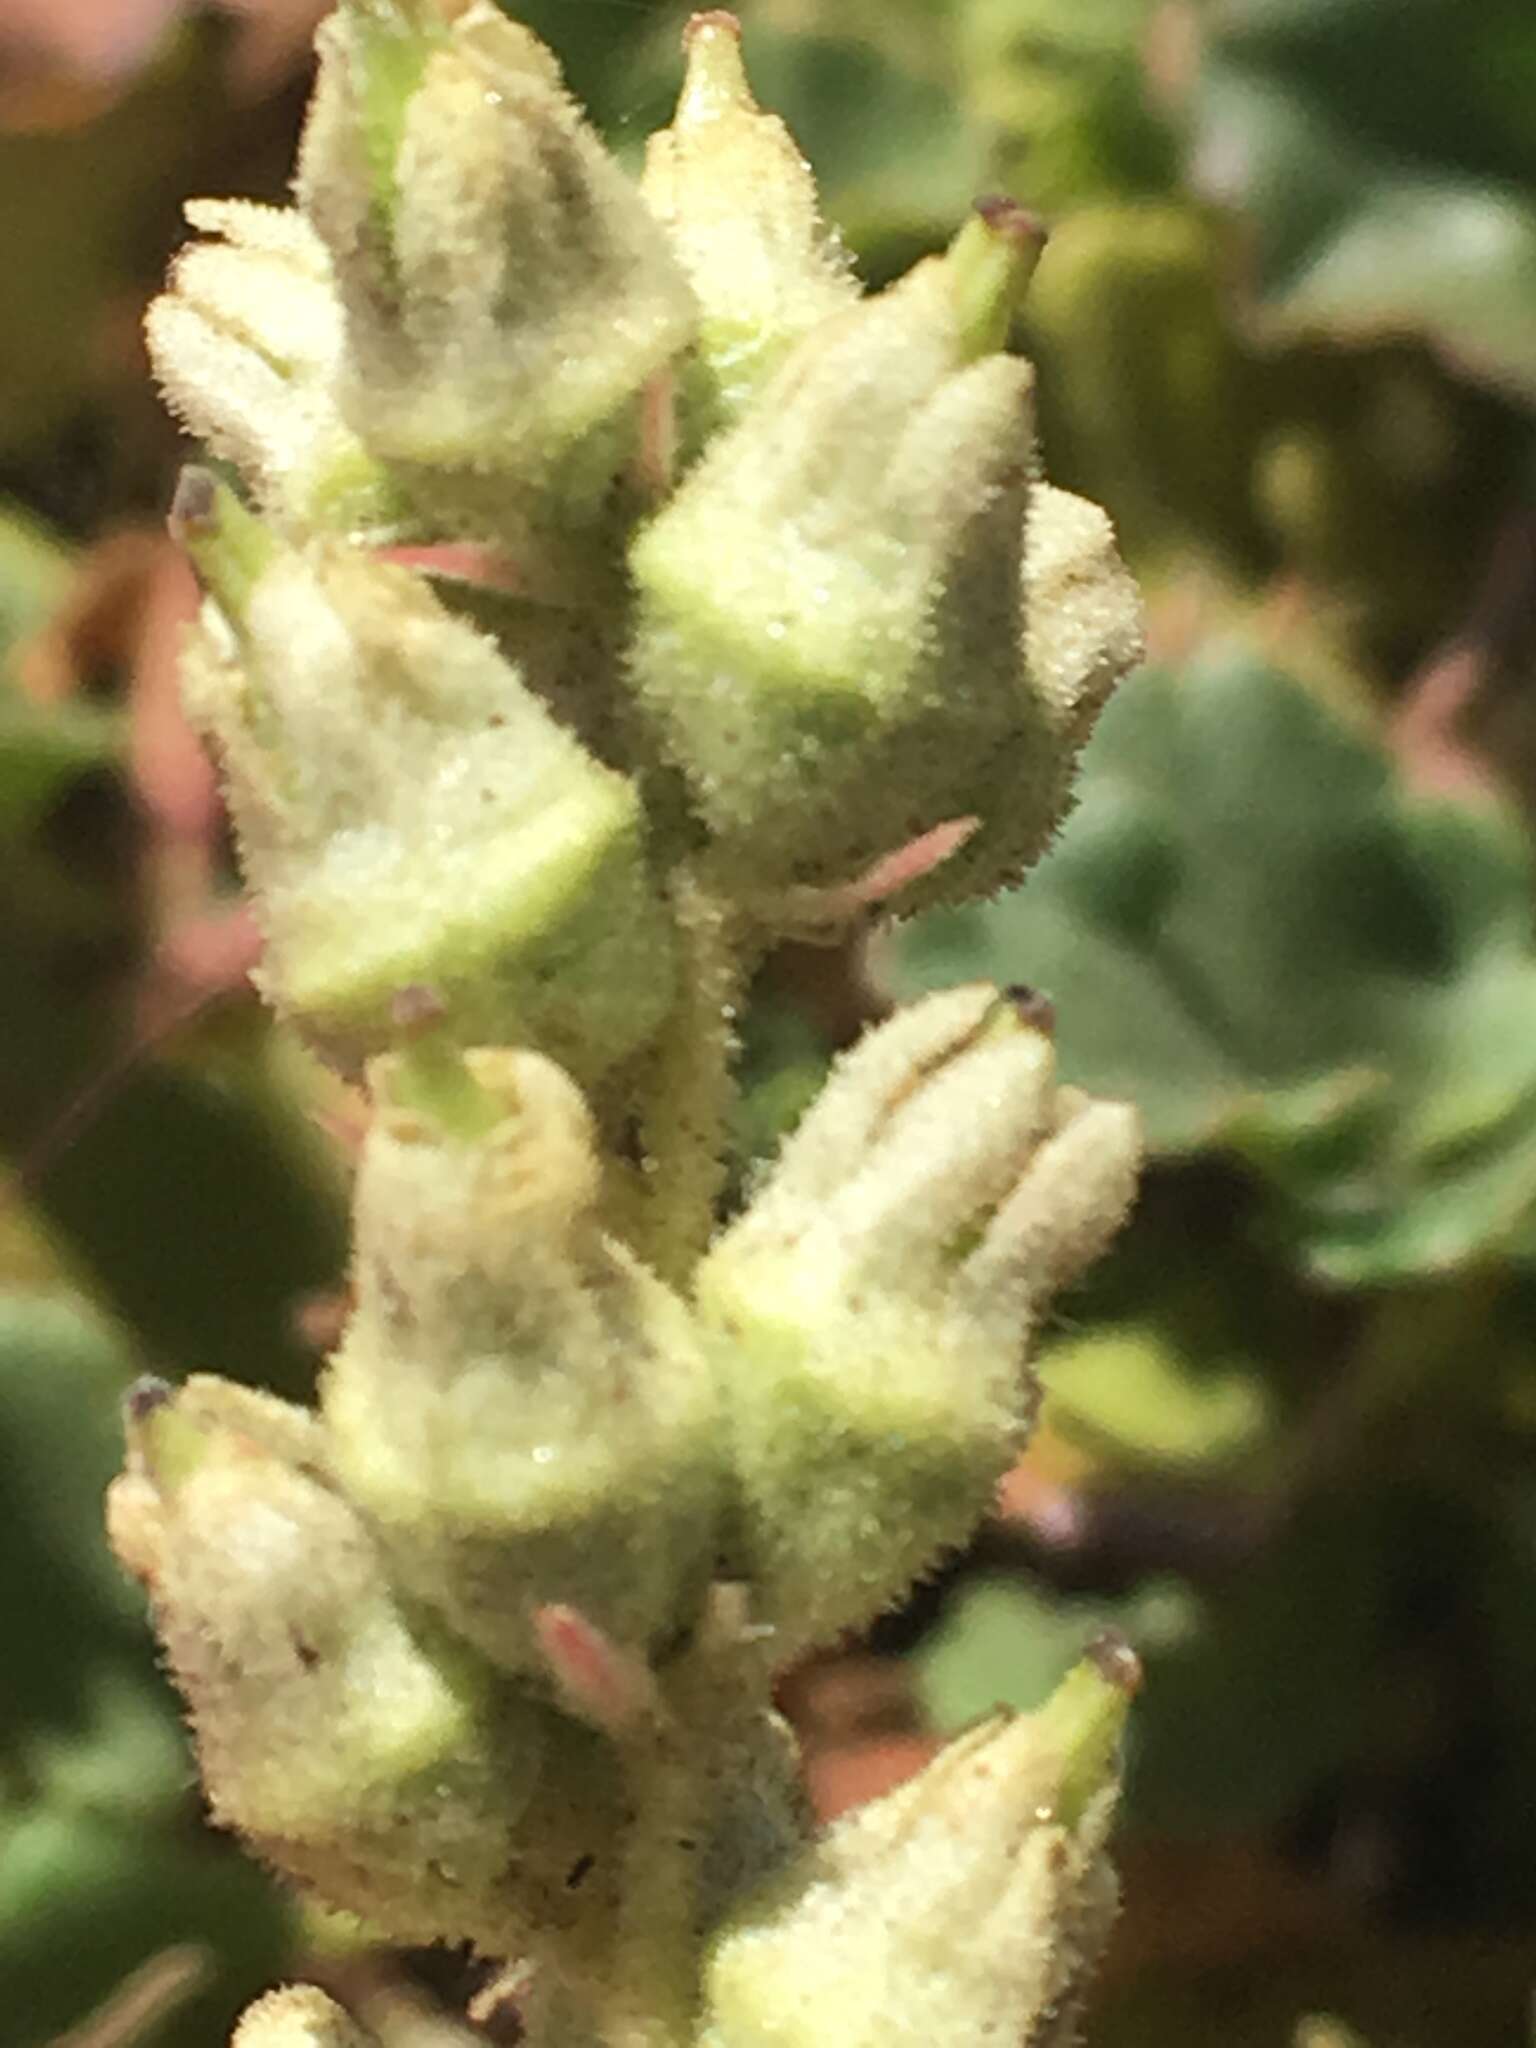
pixel 227 544
pixel 991 262
pixel 431 1077
pixel 650 1988
pixel 686 1092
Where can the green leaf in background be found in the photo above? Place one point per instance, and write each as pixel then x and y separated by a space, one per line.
pixel 62 1375
pixel 1251 931
pixel 84 1901
pixel 36 570
pixel 102 1861
pixel 1257 1688
pixel 191 1199
pixel 1148 400
pixel 1008 1641
pixel 1064 92
pixel 1134 1396
pixel 80 208
pixel 43 750
pixel 1384 152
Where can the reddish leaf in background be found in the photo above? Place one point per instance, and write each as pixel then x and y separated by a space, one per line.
pixel 104 43
pixel 99 40
pixel 132 599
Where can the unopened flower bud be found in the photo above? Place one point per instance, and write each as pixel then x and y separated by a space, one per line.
pixel 870 1310
pixel 739 205
pixel 247 345
pixel 521 1408
pixel 506 292
pixel 831 624
pixel 410 815
pixel 299 2016
pixel 1083 633
pixel 966 1907
pixel 361 1752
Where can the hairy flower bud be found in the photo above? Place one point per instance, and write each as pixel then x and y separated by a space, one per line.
pixel 871 1308
pixel 410 815
pixel 739 205
pixel 247 345
pixel 506 292
pixel 522 1409
pixel 966 1907
pixel 1083 633
pixel 832 631
pixel 360 1751
pixel 298 2016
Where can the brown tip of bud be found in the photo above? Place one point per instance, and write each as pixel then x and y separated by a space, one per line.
pixel 416 1008
pixel 1115 1661
pixel 1014 223
pixel 146 1394
pixel 715 80
pixel 718 20
pixel 194 508
pixel 1032 1008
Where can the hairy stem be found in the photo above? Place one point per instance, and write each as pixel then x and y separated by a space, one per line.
pixel 685 1094
pixel 650 1992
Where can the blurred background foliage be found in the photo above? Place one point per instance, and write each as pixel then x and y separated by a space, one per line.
pixel 1286 331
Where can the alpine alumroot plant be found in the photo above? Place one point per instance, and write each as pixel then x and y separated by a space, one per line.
pixel 609 588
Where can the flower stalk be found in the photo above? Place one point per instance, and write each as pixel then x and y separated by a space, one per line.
pixel 609 588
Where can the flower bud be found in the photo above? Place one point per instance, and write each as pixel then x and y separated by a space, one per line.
pixel 968 1906
pixel 359 1751
pixel 870 1310
pixel 1082 635
pixel 506 292
pixel 410 815
pixel 247 345
pixel 831 629
pixel 519 1406
pixel 299 2016
pixel 739 206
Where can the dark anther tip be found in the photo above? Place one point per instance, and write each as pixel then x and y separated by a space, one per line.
pixel 416 1008
pixel 711 17
pixel 1115 1660
pixel 194 508
pixel 146 1395
pixel 1031 1007
pixel 1005 216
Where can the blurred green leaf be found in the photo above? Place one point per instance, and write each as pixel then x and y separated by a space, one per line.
pixel 102 1863
pixel 1252 932
pixel 35 572
pixel 1275 1683
pixel 1065 93
pixel 1007 1641
pixel 1384 152
pixel 1257 1689
pixel 82 208
pixel 1149 402
pixel 85 1900
pixel 191 1199
pixel 43 750
pixel 1136 1397
pixel 62 1374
